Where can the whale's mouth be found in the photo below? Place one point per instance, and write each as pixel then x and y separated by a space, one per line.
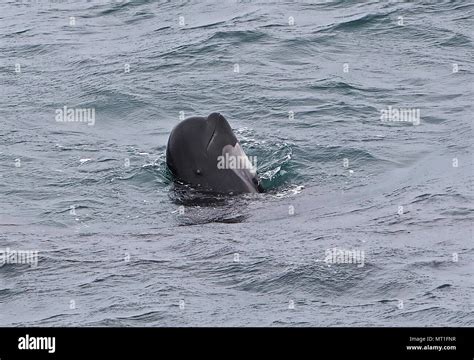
pixel 245 170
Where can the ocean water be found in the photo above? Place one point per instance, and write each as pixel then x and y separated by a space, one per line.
pixel 305 85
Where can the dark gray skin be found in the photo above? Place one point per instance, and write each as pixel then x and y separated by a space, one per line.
pixel 192 155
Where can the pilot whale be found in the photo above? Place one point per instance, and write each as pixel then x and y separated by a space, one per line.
pixel 204 153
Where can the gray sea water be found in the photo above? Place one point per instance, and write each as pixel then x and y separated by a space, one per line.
pixel 304 85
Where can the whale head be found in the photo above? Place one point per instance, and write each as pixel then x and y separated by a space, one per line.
pixel 205 154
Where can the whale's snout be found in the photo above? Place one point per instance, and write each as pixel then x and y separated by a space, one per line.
pixel 221 134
